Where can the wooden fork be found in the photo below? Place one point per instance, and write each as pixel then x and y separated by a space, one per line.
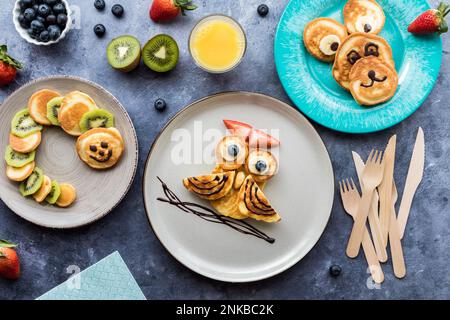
pixel 372 176
pixel 350 199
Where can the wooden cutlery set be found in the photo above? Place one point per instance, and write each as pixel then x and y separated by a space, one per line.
pixel 377 205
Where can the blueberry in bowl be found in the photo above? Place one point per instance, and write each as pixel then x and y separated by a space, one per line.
pixel 42 22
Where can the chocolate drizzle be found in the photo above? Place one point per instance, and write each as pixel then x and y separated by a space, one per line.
pixel 210 215
pixel 373 78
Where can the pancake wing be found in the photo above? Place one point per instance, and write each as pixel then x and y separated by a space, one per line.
pixel 212 186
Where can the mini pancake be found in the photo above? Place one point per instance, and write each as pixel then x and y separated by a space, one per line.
pixel 231 152
pixel 355 47
pixel 45 189
pixel 27 144
pixel 254 204
pixel 365 16
pixel 322 38
pixel 37 105
pixel 212 186
pixel 20 174
pixel 100 148
pixel 67 196
pixel 262 165
pixel 372 81
pixel 74 105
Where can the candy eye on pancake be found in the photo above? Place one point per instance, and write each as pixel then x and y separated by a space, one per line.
pixel 364 16
pixel 231 152
pixel 356 47
pixel 322 38
pixel 372 81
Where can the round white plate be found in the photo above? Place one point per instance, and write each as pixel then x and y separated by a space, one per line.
pixel 98 192
pixel 302 191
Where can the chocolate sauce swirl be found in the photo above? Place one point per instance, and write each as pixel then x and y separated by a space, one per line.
pixel 210 215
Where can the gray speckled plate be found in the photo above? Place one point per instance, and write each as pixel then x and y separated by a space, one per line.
pixel 302 191
pixel 98 192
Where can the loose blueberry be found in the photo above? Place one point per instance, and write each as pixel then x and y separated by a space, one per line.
pixel 160 104
pixel 44 36
pixel 44 10
pixel 51 2
pixel 37 26
pixel 117 10
pixel 29 14
pixel 59 8
pixel 51 19
pixel 99 4
pixel 260 166
pixel 263 10
pixel 62 20
pixel 54 32
pixel 99 30
pixel 233 150
pixel 335 270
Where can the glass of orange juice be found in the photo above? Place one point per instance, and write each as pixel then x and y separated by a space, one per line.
pixel 217 43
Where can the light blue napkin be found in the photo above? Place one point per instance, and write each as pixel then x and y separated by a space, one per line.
pixel 108 279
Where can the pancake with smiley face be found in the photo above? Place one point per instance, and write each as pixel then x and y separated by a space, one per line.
pixel 322 38
pixel 372 81
pixel 364 16
pixel 100 148
pixel 356 47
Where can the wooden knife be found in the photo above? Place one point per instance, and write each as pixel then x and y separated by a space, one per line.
pixel 385 189
pixel 413 179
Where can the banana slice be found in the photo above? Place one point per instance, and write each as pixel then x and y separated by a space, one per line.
pixel 329 44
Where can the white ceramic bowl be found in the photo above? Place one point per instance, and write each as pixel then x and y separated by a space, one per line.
pixel 24 34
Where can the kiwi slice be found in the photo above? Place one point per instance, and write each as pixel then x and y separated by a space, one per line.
pixel 161 53
pixel 33 183
pixel 53 109
pixel 96 119
pixel 54 194
pixel 16 159
pixel 124 53
pixel 23 125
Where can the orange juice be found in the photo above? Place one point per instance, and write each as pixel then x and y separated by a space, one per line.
pixel 217 43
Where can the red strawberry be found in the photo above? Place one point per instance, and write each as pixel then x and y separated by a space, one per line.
pixel 9 261
pixel 8 67
pixel 260 139
pixel 165 10
pixel 238 128
pixel 431 21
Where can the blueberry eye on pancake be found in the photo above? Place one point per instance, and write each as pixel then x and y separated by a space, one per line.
pixel 231 152
pixel 212 186
pixel 372 81
pixel 322 38
pixel 364 16
pixel 262 165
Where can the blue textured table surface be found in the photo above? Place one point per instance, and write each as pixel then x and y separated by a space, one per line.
pixel 46 254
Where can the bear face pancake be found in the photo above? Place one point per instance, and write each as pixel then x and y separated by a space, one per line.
pixel 364 16
pixel 356 47
pixel 372 81
pixel 100 148
pixel 322 38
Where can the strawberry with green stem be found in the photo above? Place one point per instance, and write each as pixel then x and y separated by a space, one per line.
pixel 8 66
pixel 165 10
pixel 431 21
pixel 9 261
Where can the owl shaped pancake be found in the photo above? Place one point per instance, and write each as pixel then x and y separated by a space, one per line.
pixel 322 38
pixel 100 148
pixel 212 186
pixel 372 81
pixel 74 105
pixel 365 16
pixel 355 47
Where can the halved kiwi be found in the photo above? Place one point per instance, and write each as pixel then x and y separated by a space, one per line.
pixel 54 193
pixel 23 125
pixel 33 183
pixel 16 159
pixel 96 119
pixel 161 53
pixel 53 109
pixel 124 53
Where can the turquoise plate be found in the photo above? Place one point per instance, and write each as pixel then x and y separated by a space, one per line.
pixel 312 88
